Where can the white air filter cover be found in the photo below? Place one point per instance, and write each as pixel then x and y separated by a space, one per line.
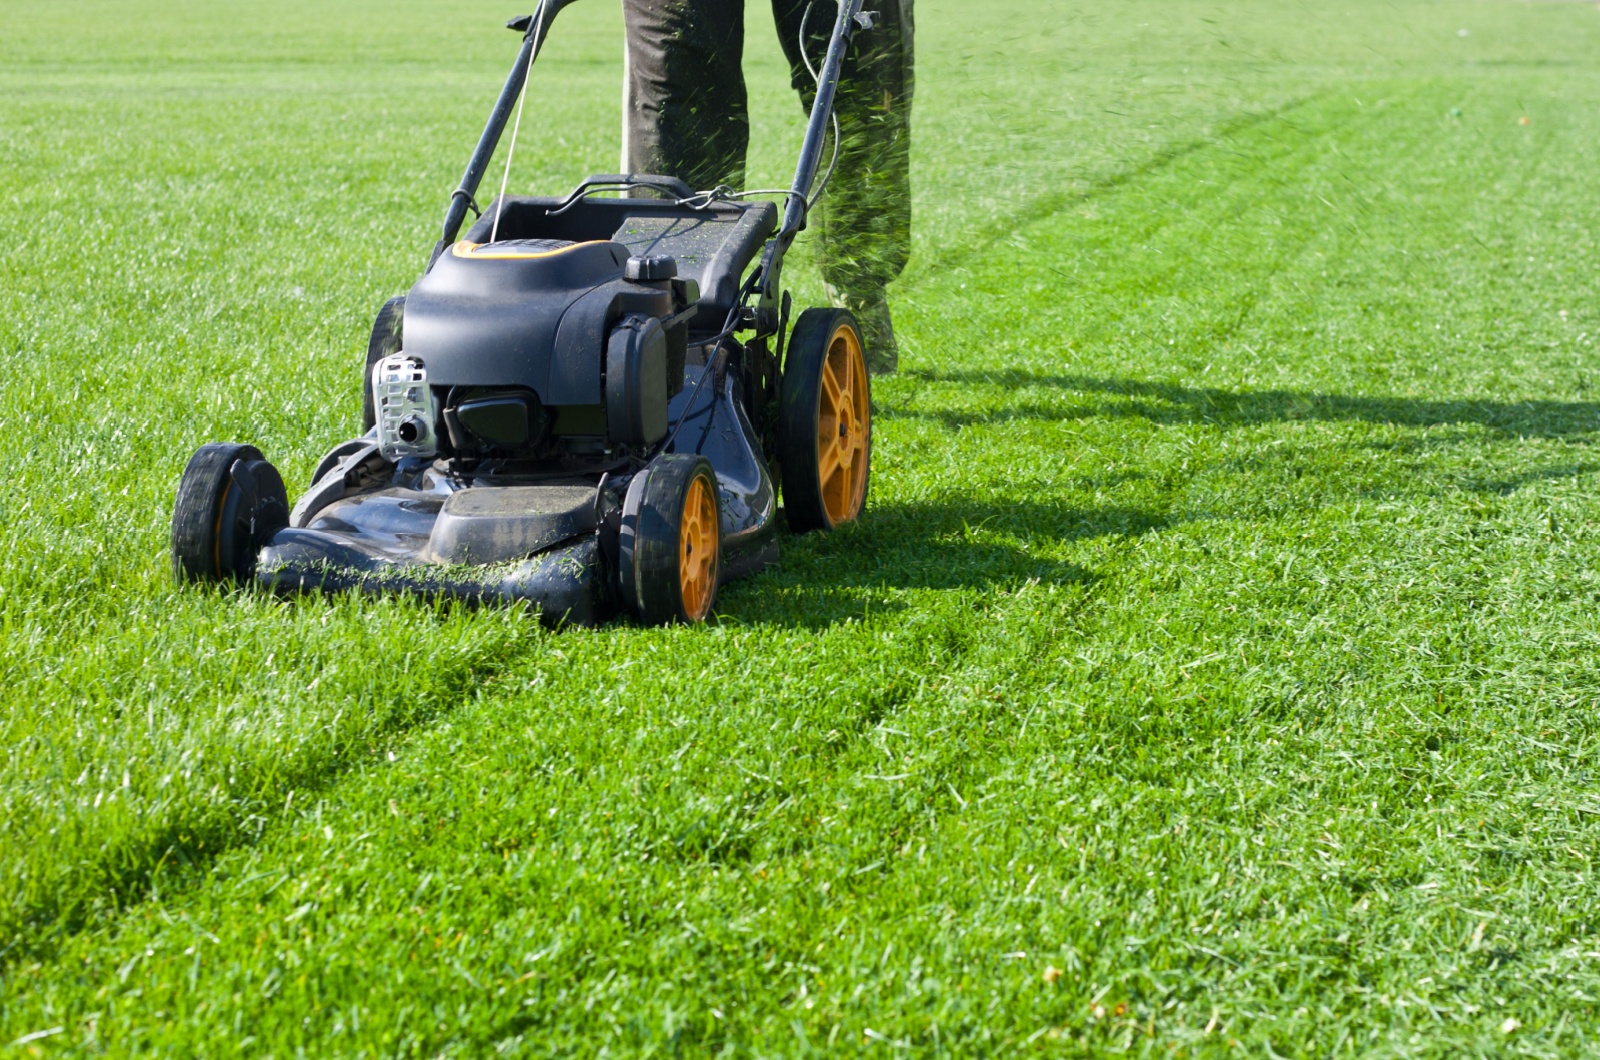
pixel 405 407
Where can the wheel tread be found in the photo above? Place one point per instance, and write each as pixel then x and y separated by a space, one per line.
pixel 198 507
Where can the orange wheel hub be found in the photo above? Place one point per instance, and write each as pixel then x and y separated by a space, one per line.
pixel 844 419
pixel 697 544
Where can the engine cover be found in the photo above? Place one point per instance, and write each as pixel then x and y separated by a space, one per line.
pixel 499 315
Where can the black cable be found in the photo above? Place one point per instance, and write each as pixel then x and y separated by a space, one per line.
pixel 730 325
pixel 833 115
pixel 832 164
pixel 703 200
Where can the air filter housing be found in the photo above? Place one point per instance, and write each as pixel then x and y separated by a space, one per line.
pixel 406 412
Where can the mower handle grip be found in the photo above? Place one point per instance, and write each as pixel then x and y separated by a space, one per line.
pixel 523 23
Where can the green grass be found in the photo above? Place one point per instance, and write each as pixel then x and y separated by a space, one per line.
pixel 1213 670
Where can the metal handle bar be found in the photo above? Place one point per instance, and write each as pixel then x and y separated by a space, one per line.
pixel 799 203
pixel 623 182
pixel 534 28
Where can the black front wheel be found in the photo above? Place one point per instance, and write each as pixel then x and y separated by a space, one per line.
pixel 230 503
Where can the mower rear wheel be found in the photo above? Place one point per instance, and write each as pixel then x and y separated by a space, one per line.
pixel 825 421
pixel 230 503
pixel 672 541
pixel 384 341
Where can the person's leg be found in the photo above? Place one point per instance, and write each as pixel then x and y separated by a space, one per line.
pixel 684 111
pixel 865 216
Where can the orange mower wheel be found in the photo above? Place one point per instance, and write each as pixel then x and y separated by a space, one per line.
pixel 825 421
pixel 672 541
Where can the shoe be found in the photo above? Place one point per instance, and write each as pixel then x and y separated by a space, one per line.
pixel 877 333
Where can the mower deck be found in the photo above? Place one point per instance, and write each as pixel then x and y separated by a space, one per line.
pixel 502 536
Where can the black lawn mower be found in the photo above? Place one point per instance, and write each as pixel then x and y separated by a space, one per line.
pixel 586 403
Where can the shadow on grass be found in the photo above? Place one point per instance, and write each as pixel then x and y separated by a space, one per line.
pixel 1512 483
pixel 962 543
pixel 1168 403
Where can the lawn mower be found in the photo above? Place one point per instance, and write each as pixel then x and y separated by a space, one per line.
pixel 585 402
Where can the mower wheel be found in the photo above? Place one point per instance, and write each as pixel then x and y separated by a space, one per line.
pixel 230 503
pixel 337 455
pixel 671 540
pixel 824 422
pixel 385 340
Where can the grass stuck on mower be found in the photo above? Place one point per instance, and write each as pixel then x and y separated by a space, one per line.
pixel 585 402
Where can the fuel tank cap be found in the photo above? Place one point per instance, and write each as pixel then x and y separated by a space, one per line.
pixel 652 267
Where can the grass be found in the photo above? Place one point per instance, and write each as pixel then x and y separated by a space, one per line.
pixel 1213 671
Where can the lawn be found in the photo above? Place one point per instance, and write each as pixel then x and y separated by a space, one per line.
pixel 1212 672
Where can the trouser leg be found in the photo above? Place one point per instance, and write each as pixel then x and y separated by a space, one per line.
pixel 685 113
pixel 865 216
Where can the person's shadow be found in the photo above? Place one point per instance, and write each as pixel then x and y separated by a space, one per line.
pixel 976 542
pixel 962 542
pixel 1168 403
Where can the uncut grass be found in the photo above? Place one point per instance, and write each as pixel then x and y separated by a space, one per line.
pixel 1220 638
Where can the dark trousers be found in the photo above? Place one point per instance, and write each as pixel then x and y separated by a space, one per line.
pixel 685 114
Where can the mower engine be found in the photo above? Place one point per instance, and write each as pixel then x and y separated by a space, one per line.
pixel 535 350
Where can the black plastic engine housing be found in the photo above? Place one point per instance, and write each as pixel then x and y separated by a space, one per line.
pixel 502 316
pixel 636 381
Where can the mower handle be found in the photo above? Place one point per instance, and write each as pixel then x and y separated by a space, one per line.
pixel 534 28
pixel 623 182
pixel 798 203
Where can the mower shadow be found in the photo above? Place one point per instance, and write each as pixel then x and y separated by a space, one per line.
pixel 1170 404
pixel 964 543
